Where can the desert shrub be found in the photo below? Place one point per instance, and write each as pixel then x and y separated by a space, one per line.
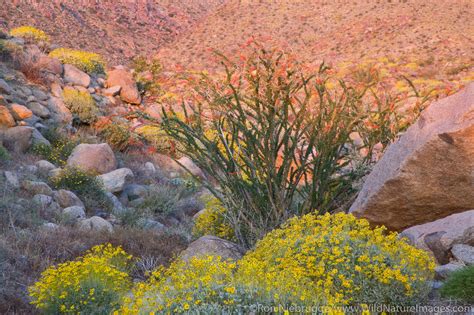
pixel 146 74
pixel 117 133
pixel 184 287
pixel 93 284
pixel 460 285
pixel 335 260
pixel 30 33
pixel 154 135
pixel 9 51
pixel 60 149
pixel 86 61
pixel 82 105
pixel 4 155
pixel 85 184
pixel 274 138
pixel 212 220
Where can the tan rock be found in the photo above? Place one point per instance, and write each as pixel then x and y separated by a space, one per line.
pixel 429 173
pixel 20 112
pixel 129 91
pixel 6 119
pixel 97 158
pixel 75 76
pixel 209 245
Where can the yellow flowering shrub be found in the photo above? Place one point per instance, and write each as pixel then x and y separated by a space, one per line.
pixel 86 61
pixel 30 33
pixel 92 284
pixel 335 260
pixel 195 286
pixel 81 104
pixel 212 220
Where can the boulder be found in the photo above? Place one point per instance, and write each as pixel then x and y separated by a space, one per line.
pixel 112 91
pixel 49 64
pixel 59 110
pixel 20 112
pixel 75 76
pixel 209 245
pixel 443 272
pixel 154 111
pixel 97 158
pixel 189 166
pixel 95 223
pixel 118 208
pixel 21 138
pixel 123 78
pixel 439 236
pixel 66 199
pixel 133 192
pixel 35 188
pixel 5 88
pixel 39 110
pixel 428 173
pixel 40 95
pixel 6 119
pixel 44 167
pixel 12 179
pixel 72 214
pixel 463 253
pixel 115 181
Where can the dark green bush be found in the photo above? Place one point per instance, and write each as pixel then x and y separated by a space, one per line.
pixel 460 285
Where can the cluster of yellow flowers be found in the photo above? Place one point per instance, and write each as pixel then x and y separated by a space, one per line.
pixel 336 260
pixel 212 220
pixel 91 284
pixel 30 33
pixel 86 61
pixel 81 104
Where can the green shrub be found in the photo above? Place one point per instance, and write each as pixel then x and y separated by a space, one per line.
pixel 60 149
pixel 30 33
pixel 86 185
pixel 82 105
pixel 93 284
pixel 460 285
pixel 86 61
pixel 274 138
pixel 165 199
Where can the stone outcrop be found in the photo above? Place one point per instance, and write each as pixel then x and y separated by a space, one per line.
pixel 429 173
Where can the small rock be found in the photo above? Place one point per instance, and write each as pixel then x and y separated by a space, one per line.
pixel 149 224
pixel 44 167
pixel 5 88
pixel 20 112
pixel 49 226
pixel 55 172
pixel 40 95
pixel 72 214
pixel 6 119
pixel 12 179
pixel 52 65
pixel 464 253
pixel 56 90
pixel 75 76
pixel 95 224
pixel 442 272
pixel 59 110
pixel 209 245
pixel 66 199
pixel 118 208
pixel 123 78
pixel 115 181
pixel 39 110
pixel 149 169
pixel 37 188
pixel 97 158
pixel 42 201
pixel 133 191
pixel 112 91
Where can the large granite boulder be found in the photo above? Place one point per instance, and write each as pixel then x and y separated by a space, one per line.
pixel 96 158
pixel 429 173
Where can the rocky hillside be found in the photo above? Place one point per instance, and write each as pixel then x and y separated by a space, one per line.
pixel 118 30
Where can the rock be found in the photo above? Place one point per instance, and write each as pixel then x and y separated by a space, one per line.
pixel 439 236
pixel 75 76
pixel 72 214
pixel 49 226
pixel 98 158
pixel 39 110
pixel 213 246
pixel 442 272
pixel 115 181
pixel 40 95
pixel 12 179
pixel 429 173
pixel 20 112
pixel 112 91
pixel 59 110
pixel 66 199
pixel 149 169
pixel 149 224
pixel 129 91
pixel 55 172
pixel 35 188
pixel 95 224
pixel 56 90
pixel 6 119
pixel 21 138
pixel 464 253
pixel 189 165
pixel 46 204
pixel 5 88
pixel 154 111
pixel 44 167
pixel 133 191
pixel 49 64
pixel 118 208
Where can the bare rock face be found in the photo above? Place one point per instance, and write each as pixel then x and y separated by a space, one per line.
pixel 129 91
pixel 213 246
pixel 429 173
pixel 97 158
pixel 438 237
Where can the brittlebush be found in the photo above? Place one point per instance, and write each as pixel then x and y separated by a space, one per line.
pixel 212 220
pixel 314 261
pixel 30 33
pixel 84 60
pixel 93 284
